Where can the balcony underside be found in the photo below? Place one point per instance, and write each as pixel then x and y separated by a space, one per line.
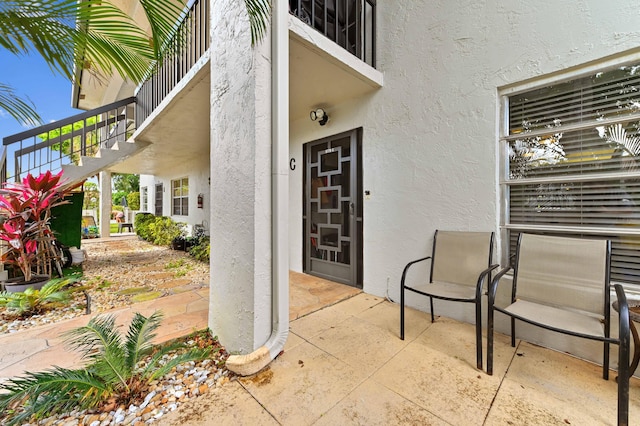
pixel 177 131
pixel 323 74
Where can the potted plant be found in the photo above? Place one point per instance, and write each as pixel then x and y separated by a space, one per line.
pixel 26 210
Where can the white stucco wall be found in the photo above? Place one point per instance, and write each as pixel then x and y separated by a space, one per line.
pixel 240 300
pixel 430 135
pixel 198 175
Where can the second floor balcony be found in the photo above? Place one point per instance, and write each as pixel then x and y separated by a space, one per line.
pixel 349 23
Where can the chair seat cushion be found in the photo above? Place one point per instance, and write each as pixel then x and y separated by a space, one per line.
pixel 444 290
pixel 563 319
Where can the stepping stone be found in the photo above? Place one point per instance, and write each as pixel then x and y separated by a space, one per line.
pixel 161 275
pixel 143 297
pixel 184 289
pixel 133 290
pixel 175 283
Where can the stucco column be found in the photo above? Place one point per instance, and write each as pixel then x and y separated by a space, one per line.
pixel 105 204
pixel 240 290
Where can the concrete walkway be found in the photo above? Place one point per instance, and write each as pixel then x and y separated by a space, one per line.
pixel 345 365
pixel 186 311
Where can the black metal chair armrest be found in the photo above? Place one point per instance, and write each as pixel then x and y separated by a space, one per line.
pixel 623 316
pixel 624 336
pixel 482 276
pixel 494 284
pixel 406 269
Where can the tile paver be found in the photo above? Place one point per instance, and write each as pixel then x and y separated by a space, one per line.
pixel 345 364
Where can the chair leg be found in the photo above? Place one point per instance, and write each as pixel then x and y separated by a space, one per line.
pixel 605 362
pixel 478 335
pixel 402 312
pixel 623 383
pixel 490 340
pixel 513 332
pixel 433 319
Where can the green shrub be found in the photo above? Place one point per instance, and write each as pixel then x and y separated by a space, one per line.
pixel 202 250
pixel 164 230
pixel 159 230
pixel 133 200
pixel 141 224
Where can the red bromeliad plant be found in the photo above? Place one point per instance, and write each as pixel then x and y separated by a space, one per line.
pixel 26 207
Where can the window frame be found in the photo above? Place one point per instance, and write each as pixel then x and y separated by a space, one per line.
pixel 181 207
pixel 506 183
pixel 144 198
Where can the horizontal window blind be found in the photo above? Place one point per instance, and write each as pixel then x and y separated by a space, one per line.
pixel 574 163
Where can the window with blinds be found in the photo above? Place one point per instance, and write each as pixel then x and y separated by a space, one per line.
pixel 574 163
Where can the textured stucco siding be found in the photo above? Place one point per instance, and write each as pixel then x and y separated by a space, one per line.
pixel 198 175
pixel 240 302
pixel 430 135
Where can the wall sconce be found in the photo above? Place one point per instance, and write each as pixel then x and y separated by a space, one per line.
pixel 319 114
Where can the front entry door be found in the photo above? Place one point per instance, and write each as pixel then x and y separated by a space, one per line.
pixel 332 212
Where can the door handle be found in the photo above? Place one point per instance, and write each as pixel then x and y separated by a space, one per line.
pixel 351 207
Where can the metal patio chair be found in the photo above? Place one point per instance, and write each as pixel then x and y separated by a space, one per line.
pixel 460 263
pixel 562 284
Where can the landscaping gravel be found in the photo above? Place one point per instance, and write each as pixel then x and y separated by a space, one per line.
pixel 117 273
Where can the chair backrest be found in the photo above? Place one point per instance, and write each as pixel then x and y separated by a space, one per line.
pixel 459 257
pixel 549 269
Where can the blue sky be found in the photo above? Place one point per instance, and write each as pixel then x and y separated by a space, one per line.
pixel 32 79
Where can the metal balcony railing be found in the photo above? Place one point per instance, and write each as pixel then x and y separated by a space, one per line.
pixel 63 142
pixel 349 23
pixel 193 34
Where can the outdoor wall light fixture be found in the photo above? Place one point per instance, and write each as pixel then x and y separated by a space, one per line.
pixel 319 114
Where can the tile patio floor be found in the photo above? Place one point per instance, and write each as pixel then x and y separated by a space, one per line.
pixel 344 364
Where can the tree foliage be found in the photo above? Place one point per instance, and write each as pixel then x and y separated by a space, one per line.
pixel 91 196
pixel 126 183
pixel 133 199
pixel 95 36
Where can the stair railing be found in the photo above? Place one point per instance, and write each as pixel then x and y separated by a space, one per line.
pixel 63 142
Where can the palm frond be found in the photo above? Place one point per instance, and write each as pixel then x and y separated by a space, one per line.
pixel 49 392
pixel 45 27
pixel 259 13
pixel 141 333
pixel 94 337
pixel 19 109
pixel 100 342
pixel 164 18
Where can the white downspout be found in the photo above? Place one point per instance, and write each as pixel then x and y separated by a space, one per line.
pixel 260 358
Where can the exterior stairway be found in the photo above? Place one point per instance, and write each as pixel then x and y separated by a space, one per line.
pixel 81 146
pixel 106 157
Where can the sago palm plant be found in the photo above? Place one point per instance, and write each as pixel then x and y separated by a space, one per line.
pixel 120 369
pixel 33 301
